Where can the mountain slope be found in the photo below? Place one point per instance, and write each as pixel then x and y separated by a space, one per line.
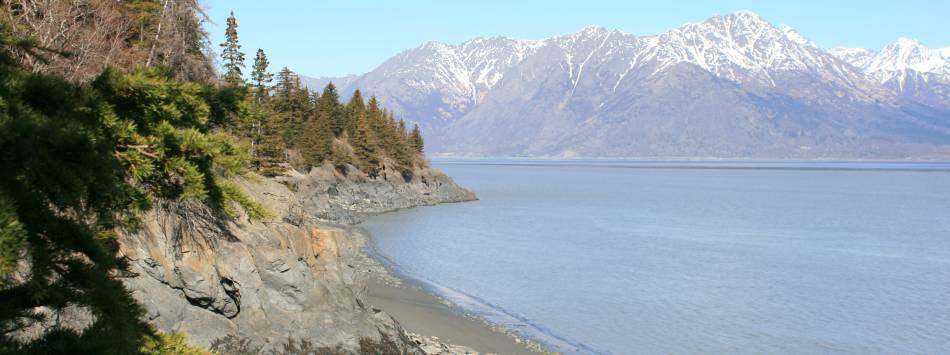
pixel 731 86
pixel 913 70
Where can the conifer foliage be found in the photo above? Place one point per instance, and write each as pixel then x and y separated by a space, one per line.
pixel 83 156
pixel 415 138
pixel 231 54
pixel 80 162
pixel 323 130
pixel 262 78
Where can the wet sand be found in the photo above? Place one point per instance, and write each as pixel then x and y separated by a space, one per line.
pixel 423 313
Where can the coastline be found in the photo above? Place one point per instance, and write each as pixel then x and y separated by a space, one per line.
pixel 437 325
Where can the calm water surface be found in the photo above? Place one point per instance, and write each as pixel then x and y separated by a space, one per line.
pixel 692 257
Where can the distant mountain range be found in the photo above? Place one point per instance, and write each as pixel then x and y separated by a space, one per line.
pixel 731 86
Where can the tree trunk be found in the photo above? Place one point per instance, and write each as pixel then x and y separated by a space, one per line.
pixel 158 32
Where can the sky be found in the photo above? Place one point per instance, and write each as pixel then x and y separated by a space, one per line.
pixel 335 38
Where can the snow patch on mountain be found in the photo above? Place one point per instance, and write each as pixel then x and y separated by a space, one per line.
pixel 905 59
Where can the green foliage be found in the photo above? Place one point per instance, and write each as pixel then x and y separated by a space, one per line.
pixel 354 108
pixel 330 109
pixel 314 127
pixel 365 146
pixel 231 54
pixel 263 128
pixel 316 140
pixel 261 77
pixel 82 161
pixel 12 236
pixel 415 138
pixel 233 192
pixel 170 344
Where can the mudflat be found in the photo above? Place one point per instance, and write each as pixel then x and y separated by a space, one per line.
pixel 423 313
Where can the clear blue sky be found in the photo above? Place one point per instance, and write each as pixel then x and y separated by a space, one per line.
pixel 331 38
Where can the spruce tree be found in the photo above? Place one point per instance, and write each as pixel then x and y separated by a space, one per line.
pixel 231 54
pixel 315 140
pixel 354 108
pixel 416 139
pixel 364 146
pixel 402 128
pixel 261 77
pixel 286 80
pixel 292 103
pixel 80 163
pixel 375 116
pixel 329 108
pixel 269 148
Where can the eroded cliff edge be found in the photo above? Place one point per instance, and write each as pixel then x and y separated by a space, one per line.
pixel 264 284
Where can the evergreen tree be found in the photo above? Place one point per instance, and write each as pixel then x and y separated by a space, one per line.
pixel 314 138
pixel 354 108
pixel 286 81
pixel 397 146
pixel 329 109
pixel 81 162
pixel 261 77
pixel 401 128
pixel 315 141
pixel 268 148
pixel 416 139
pixel 364 146
pixel 292 103
pixel 231 54
pixel 373 107
pixel 375 116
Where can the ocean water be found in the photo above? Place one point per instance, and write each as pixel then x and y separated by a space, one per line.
pixel 622 257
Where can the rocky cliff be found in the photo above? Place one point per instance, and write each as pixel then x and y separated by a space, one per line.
pixel 278 285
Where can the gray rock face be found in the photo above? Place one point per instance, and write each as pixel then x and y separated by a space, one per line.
pixel 730 86
pixel 273 282
pixel 331 197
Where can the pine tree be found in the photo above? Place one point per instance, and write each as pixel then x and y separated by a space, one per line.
pixel 261 77
pixel 416 139
pixel 231 54
pixel 364 146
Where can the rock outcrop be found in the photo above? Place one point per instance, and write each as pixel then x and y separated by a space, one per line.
pixel 266 285
pixel 328 196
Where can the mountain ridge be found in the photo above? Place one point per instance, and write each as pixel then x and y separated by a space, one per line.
pixel 730 86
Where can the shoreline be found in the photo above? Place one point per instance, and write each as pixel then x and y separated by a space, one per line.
pixel 430 318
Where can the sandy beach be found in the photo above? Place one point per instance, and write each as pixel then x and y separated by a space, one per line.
pixel 423 313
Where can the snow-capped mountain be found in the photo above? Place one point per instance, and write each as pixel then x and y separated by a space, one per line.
pixel 911 69
pixel 732 85
pixel 897 59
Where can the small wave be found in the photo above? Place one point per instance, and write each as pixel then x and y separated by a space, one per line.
pixel 485 310
pixel 500 316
